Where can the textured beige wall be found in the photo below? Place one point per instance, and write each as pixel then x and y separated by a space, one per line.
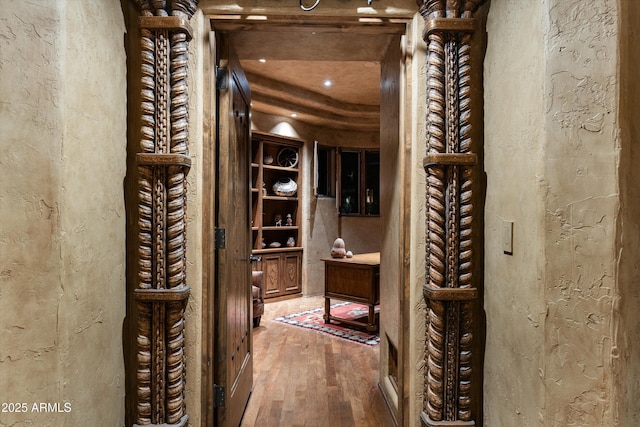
pixel 580 182
pixel 62 236
pixel 514 164
pixel 32 87
pixel 416 113
pixel 561 332
pixel 198 73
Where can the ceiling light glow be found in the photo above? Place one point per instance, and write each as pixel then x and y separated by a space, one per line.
pixel 262 60
pixel 327 83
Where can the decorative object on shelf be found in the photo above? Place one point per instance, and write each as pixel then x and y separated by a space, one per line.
pixel 349 254
pixel 264 189
pixel 264 245
pixel 275 244
pixel 289 220
pixel 338 249
pixel 288 157
pixel 285 187
pixel 268 159
pixel 291 242
pixel 277 220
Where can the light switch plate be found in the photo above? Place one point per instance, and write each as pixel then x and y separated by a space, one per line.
pixel 507 237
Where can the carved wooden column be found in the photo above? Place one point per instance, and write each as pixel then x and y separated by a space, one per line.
pixel 163 163
pixel 448 288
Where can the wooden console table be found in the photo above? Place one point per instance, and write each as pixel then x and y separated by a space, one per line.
pixel 355 279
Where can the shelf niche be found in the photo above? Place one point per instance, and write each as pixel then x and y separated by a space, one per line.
pixel 276 218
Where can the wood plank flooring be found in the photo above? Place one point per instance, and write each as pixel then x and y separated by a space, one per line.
pixel 305 378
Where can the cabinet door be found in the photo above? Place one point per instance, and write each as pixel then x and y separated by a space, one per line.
pixel 271 265
pixel 291 272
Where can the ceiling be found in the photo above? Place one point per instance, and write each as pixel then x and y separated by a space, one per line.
pixel 287 69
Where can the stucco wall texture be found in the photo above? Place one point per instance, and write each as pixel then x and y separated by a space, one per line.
pixel 417 111
pixel 195 236
pixel 62 233
pixel 581 145
pixel 559 328
pixel 514 300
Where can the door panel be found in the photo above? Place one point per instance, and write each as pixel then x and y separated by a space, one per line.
pixel 233 351
pixel 291 272
pixel 272 279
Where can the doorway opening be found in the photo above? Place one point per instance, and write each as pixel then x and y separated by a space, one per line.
pixel 337 85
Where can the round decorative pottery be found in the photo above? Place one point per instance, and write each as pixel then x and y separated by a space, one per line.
pixel 285 187
pixel 349 254
pixel 274 245
pixel 291 242
pixel 268 159
pixel 338 249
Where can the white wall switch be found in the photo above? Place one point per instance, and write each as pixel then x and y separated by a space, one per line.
pixel 507 237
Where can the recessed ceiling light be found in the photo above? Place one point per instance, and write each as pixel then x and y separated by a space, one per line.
pixel 262 60
pixel 294 115
pixel 327 83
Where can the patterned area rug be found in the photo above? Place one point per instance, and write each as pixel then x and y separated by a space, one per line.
pixel 312 320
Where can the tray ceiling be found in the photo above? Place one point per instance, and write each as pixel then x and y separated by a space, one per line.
pixel 287 71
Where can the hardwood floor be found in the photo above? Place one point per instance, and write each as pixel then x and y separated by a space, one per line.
pixel 305 378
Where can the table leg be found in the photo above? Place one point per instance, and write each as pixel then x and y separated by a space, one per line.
pixel 372 318
pixel 327 310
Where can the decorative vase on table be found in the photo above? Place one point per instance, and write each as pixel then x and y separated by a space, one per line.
pixel 338 250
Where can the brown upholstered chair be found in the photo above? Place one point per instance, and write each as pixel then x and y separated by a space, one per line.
pixel 257 294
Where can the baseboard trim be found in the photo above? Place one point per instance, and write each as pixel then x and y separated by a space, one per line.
pixel 389 401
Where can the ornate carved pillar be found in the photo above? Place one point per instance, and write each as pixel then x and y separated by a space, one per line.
pixel 163 163
pixel 449 289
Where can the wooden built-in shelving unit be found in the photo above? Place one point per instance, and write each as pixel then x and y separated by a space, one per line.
pixel 281 265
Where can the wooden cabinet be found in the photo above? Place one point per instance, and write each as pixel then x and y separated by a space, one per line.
pixel 276 212
pixel 282 272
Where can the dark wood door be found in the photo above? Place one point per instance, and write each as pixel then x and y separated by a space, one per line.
pixel 233 349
